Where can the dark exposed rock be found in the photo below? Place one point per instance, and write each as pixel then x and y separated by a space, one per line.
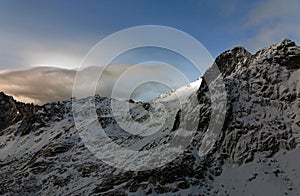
pixel 177 121
pixel 12 111
pixel 286 53
pixel 231 60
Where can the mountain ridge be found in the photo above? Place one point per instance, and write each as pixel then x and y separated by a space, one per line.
pixel 45 154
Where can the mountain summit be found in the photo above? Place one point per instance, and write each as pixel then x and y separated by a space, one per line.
pixel 257 150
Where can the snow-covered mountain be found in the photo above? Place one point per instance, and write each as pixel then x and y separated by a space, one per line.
pixel 255 153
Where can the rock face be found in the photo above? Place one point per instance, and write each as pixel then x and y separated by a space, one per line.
pixel 12 111
pixel 256 152
pixel 263 100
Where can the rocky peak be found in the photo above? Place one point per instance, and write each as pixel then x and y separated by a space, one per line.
pixel 230 60
pixel 12 111
pixel 285 53
pixel 8 110
pixel 263 101
pixel 3 96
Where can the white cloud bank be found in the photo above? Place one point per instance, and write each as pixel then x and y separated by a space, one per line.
pixel 41 85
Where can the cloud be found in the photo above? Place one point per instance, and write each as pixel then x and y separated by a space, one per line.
pixel 38 85
pixel 271 21
pixel 41 85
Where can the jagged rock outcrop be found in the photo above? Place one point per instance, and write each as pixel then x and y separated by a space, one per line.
pixel 232 60
pixel 264 102
pixel 12 111
pixel 41 151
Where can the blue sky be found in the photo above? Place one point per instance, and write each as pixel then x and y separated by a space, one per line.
pixel 60 33
pixel 36 31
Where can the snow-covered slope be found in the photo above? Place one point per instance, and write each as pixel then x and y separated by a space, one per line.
pixel 256 152
pixel 182 93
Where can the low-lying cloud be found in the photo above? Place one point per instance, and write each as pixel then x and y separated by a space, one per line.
pixel 38 85
pixel 41 85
